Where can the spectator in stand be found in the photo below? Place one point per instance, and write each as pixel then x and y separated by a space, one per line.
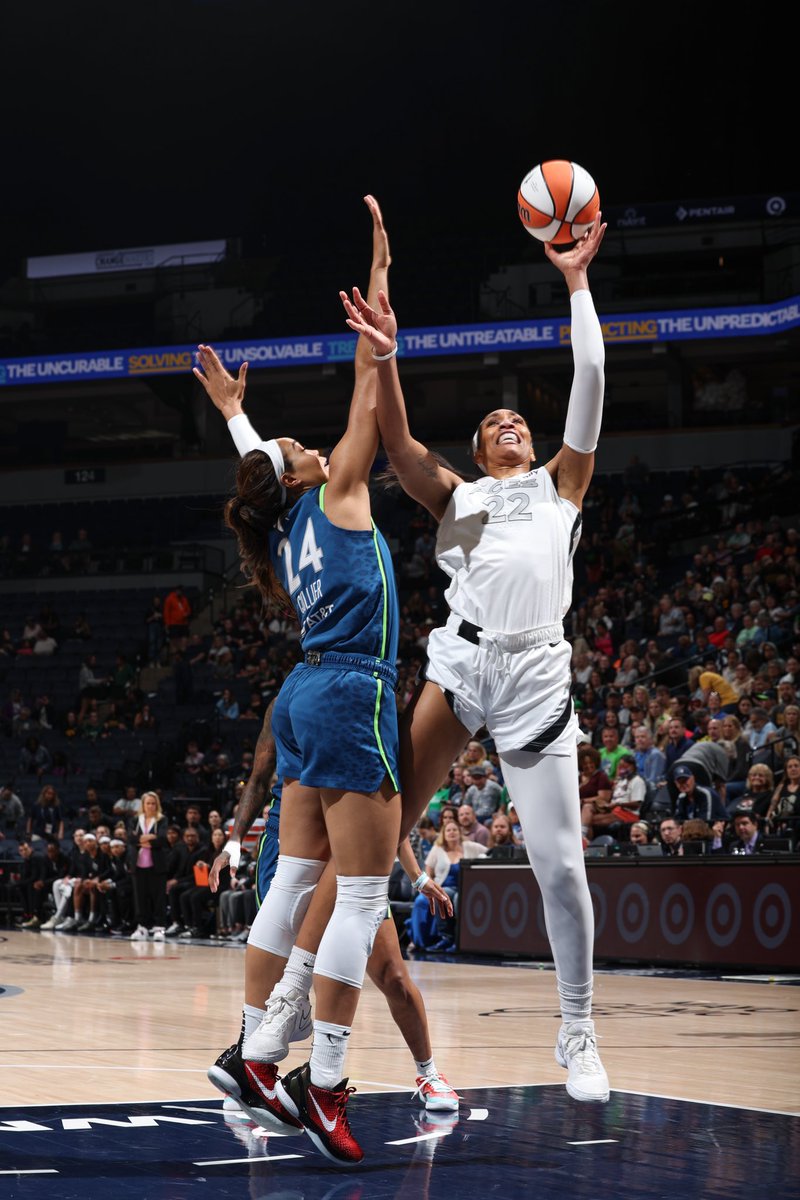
pixel 147 857
pixel 12 813
pixel 443 865
pixel 677 743
pixel 640 834
pixel 758 728
pixel 129 805
pixel 154 630
pixel 471 828
pixel 90 686
pixel 671 622
pixel 669 832
pixel 501 832
pixel 181 875
pixel 144 721
pixel 594 787
pixel 482 794
pixel 227 708
pixel 34 758
pixel 747 838
pixel 177 614
pixel 651 764
pixel 116 885
pixel 194 821
pixel 474 755
pixel 46 819
pixel 695 802
pixel 80 551
pixel 783 814
pixel 758 792
pixel 198 903
pixel 611 751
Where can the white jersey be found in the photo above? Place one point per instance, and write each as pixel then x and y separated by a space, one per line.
pixel 507 545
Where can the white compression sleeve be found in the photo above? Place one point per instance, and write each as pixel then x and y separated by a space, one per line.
pixel 585 411
pixel 244 436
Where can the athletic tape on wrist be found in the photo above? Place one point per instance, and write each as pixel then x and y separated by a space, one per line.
pixel 234 852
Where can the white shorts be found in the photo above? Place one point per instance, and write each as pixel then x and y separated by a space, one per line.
pixel 517 685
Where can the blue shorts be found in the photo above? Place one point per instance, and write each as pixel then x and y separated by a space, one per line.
pixel 336 728
pixel 268 851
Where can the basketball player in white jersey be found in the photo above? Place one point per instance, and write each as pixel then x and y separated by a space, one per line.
pixel 506 541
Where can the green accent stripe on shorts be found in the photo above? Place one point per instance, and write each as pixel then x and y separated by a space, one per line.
pixel 261 841
pixel 376 727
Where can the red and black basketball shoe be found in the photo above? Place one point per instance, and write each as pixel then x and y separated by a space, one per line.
pixel 323 1114
pixel 229 1074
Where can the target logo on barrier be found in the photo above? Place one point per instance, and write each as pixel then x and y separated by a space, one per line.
pixel 477 912
pixel 676 914
pixel 600 905
pixel 723 914
pixel 514 912
pixel 772 916
pixel 633 912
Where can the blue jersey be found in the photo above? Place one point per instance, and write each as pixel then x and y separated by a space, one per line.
pixel 340 581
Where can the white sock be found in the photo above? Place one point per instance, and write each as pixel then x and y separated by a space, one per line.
pixel 299 970
pixel 426 1068
pixel 328 1053
pixel 251 1019
pixel 576 1001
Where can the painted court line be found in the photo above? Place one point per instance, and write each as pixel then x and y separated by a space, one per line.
pixel 422 1137
pixel 41 1171
pixel 597 1142
pixel 232 1162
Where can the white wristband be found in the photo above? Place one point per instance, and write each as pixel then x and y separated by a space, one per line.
pixel 234 852
pixel 385 357
pixel 420 881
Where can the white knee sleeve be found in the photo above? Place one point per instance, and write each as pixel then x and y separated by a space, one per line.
pixel 544 791
pixel 361 904
pixel 279 919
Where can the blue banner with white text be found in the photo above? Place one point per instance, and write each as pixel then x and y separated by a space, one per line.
pixel 624 329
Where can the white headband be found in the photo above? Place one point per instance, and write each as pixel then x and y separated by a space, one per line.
pixel 275 455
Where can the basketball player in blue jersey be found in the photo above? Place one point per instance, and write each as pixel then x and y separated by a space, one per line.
pixel 284 987
pixel 506 541
pixel 305 532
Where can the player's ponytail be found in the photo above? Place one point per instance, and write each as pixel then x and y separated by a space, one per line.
pixel 252 514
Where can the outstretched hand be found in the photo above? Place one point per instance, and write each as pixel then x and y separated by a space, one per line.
pixel 578 257
pixel 437 898
pixel 378 327
pixel 226 392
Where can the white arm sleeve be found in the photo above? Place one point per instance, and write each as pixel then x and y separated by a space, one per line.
pixel 244 436
pixel 585 411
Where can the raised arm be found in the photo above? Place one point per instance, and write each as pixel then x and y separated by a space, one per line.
pixel 572 467
pixel 347 494
pixel 420 473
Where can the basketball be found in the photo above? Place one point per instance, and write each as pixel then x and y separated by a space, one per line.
pixel 557 201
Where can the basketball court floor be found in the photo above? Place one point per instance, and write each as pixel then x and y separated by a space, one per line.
pixel 103 1091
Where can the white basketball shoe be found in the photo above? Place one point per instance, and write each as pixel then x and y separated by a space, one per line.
pixel 287 1019
pixel 576 1049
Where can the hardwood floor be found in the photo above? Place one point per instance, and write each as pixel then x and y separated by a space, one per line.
pixel 110 1020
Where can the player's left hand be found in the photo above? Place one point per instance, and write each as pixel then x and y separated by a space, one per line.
pixel 222 861
pixel 437 899
pixel 227 393
pixel 378 327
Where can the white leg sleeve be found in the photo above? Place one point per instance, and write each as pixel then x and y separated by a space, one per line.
pixel 279 919
pixel 361 904
pixel 544 791
pixel 585 411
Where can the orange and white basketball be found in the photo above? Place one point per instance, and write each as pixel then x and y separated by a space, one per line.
pixel 557 201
